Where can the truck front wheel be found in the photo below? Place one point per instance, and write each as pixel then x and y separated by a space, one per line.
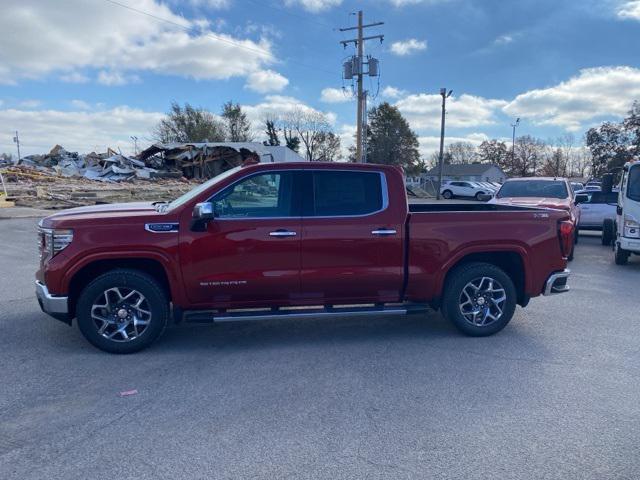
pixel 608 231
pixel 479 299
pixel 621 255
pixel 122 311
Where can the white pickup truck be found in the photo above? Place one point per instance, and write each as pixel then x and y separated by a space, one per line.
pixel 627 223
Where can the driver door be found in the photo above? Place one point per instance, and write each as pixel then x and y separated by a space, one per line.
pixel 250 252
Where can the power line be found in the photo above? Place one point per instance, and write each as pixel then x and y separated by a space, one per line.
pixel 214 36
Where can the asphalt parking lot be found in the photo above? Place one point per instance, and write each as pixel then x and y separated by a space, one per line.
pixel 556 395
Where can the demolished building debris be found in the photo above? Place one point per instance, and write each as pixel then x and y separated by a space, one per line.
pixel 61 178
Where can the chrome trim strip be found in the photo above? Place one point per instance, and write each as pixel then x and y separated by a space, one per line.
pixel 325 314
pixel 384 232
pixel 549 290
pixel 282 234
pixel 51 303
pixel 383 180
pixel 146 227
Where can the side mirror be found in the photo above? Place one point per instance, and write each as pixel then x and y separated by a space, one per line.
pixel 582 198
pixel 618 210
pixel 202 213
pixel 485 197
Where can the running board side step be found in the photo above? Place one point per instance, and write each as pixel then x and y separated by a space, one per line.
pixel 300 313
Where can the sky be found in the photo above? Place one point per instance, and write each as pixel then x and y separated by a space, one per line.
pixel 89 74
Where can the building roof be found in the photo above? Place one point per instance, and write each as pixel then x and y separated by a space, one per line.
pixel 463 169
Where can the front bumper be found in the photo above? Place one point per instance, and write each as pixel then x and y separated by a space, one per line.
pixel 57 307
pixel 557 283
pixel 631 244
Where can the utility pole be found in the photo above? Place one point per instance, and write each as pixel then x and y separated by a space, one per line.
pixel 135 144
pixel 513 140
pixel 16 140
pixel 445 95
pixel 356 68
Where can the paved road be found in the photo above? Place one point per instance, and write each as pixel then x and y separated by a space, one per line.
pixel 556 395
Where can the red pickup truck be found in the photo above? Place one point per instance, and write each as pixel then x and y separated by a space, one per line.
pixel 295 240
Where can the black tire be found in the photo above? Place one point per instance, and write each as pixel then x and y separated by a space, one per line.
pixel 478 195
pixel 576 237
pixel 621 256
pixel 573 250
pixel 447 195
pixel 608 231
pixel 103 289
pixel 458 280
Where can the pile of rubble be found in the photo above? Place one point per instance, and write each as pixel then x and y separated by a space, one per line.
pixel 104 167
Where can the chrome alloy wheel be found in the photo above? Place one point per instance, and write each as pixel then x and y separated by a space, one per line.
pixel 482 301
pixel 121 314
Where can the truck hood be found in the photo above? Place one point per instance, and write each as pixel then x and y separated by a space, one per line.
pixel 112 211
pixel 535 202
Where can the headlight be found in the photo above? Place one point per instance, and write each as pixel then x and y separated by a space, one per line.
pixel 631 227
pixel 53 240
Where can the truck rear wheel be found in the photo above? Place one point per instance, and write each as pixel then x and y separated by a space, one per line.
pixel 122 311
pixel 479 299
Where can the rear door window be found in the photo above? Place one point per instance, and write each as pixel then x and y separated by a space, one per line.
pixel 346 193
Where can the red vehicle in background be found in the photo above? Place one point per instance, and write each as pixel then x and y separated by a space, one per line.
pixel 295 240
pixel 546 192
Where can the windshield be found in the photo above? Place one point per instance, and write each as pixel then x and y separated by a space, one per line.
pixel 534 188
pixel 633 183
pixel 191 194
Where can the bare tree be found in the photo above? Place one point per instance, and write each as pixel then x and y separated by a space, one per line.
pixel 329 147
pixel 189 124
pixel 462 152
pixel 309 126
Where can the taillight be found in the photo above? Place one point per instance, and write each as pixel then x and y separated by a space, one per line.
pixel 565 231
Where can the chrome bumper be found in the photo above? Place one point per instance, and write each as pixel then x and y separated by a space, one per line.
pixel 557 283
pixel 51 304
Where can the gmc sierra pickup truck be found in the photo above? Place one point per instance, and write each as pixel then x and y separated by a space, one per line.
pixel 295 240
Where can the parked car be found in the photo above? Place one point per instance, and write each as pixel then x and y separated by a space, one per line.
pixel 595 208
pixel 454 188
pixel 546 192
pixel 627 223
pixel 492 189
pixel 577 186
pixel 315 239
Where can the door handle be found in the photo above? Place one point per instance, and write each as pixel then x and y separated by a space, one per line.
pixel 282 233
pixel 383 232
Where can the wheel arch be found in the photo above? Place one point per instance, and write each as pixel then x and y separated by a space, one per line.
pixel 511 262
pixel 95 268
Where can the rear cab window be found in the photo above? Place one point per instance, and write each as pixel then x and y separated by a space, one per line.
pixel 342 193
pixel 534 188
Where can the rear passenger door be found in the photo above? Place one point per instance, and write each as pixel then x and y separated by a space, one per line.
pixel 352 243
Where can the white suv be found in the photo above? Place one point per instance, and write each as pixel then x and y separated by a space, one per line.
pixel 457 188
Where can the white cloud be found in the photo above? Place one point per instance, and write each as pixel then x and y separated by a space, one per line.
pixel 264 81
pixel 503 40
pixel 215 4
pixel 403 3
pixel 407 47
pixel 80 104
pixel 113 78
pixel 314 6
pixel 103 36
pixel 74 77
pixel 393 92
pixel 274 106
pixel 335 95
pixel 595 93
pixel 431 144
pixel 30 104
pixel 423 111
pixel 75 130
pixel 629 10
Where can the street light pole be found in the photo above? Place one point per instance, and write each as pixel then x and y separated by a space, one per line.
pixel 445 95
pixel 513 140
